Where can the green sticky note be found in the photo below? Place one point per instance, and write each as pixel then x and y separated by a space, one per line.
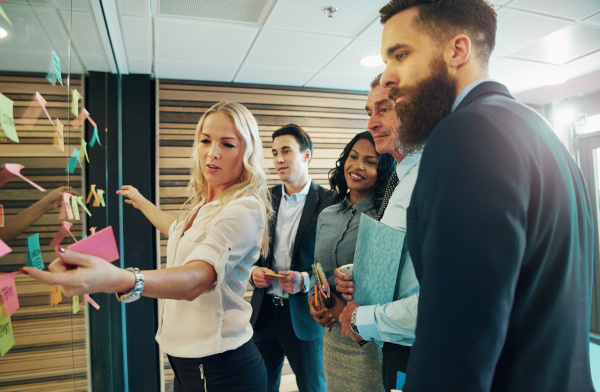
pixel 7 121
pixel 54 72
pixel 5 16
pixel 7 339
pixel 34 254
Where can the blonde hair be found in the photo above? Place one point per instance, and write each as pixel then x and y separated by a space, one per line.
pixel 252 181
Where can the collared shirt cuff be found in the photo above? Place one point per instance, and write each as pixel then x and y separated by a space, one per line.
pixel 306 287
pixel 251 271
pixel 365 322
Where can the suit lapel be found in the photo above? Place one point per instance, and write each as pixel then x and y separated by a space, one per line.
pixel 312 199
pixel 275 202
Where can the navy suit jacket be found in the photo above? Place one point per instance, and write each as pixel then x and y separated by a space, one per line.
pixel 303 254
pixel 500 232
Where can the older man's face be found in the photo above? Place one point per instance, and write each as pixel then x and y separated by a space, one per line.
pixel 383 120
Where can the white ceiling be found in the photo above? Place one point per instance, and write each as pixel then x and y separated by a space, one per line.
pixel 288 42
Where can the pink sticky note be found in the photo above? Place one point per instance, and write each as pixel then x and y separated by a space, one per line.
pixel 4 249
pixel 79 120
pixel 91 301
pixel 102 244
pixel 14 169
pixel 64 230
pixel 31 115
pixel 9 292
pixel 67 204
pixel 42 102
pixel 87 115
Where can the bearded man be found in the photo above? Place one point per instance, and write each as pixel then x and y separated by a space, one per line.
pixel 499 225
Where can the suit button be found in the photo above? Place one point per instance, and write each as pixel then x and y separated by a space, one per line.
pixel 333 251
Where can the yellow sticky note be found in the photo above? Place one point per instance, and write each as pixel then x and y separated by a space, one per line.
pixel 75 304
pixel 55 295
pixel 7 120
pixel 7 339
pixel 59 139
pixel 75 97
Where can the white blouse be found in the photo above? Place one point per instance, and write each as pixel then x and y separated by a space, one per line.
pixel 218 320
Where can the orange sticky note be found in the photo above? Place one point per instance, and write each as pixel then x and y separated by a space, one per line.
pixel 31 115
pixel 1 215
pixel 59 139
pixel 76 123
pixel 55 295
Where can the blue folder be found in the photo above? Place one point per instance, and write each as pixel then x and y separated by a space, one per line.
pixel 376 262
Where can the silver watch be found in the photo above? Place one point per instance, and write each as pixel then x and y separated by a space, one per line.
pixel 136 292
pixel 353 326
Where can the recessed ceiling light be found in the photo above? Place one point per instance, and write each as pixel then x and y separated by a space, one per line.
pixel 371 61
pixel 3 33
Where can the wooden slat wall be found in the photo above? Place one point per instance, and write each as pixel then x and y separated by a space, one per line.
pixel 330 117
pixel 50 342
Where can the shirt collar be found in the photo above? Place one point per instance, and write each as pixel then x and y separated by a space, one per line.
pixel 406 165
pixel 467 90
pixel 362 206
pixel 295 197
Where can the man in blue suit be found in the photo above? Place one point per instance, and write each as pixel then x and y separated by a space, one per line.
pixel 499 225
pixel 280 311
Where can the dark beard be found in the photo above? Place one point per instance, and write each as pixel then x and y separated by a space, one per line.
pixel 426 104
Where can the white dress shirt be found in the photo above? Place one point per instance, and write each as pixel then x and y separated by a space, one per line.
pixel 395 322
pixel 288 219
pixel 218 320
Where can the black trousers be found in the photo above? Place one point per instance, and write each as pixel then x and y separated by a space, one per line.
pixel 239 370
pixel 274 336
pixel 395 359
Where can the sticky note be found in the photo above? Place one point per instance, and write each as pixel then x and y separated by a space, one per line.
pixel 34 253
pixel 84 152
pixel 5 16
pixel 98 196
pixel 31 114
pixel 4 249
pixel 54 73
pixel 67 205
pixel 7 121
pixel 102 244
pixel 59 138
pixel 42 102
pixel 75 97
pixel 8 289
pixel 62 233
pixel 100 199
pixel 95 138
pixel 91 301
pixel 74 161
pixel 75 304
pixel 75 207
pixel 1 215
pixel 82 204
pixel 89 118
pixel 14 169
pixel 93 230
pixel 55 295
pixel 79 120
pixel 7 339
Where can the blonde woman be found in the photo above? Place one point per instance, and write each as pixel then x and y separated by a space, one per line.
pixel 204 321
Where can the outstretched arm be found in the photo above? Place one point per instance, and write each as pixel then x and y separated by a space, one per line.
pixel 160 219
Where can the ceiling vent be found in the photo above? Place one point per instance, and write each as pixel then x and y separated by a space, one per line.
pixel 248 11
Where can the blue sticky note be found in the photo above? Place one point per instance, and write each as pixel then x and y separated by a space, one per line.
pixel 94 138
pixel 72 164
pixel 34 253
pixel 376 262
pixel 54 73
pixel 400 377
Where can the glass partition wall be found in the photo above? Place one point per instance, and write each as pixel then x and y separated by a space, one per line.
pixel 46 138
